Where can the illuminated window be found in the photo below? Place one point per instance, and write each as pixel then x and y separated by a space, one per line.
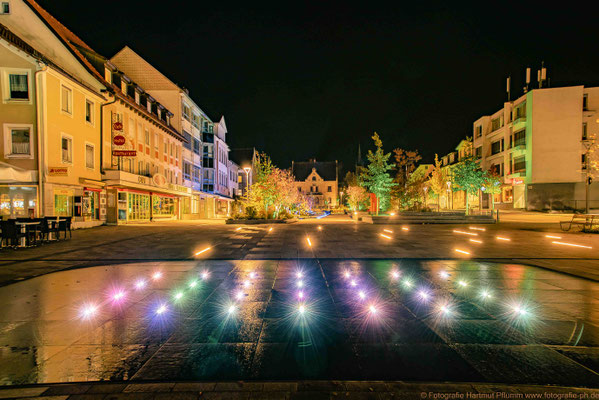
pixel 4 204
pixel 17 141
pixel 18 86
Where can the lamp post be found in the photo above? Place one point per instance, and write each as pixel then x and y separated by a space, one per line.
pixel 587 179
pixel 448 190
pixel 247 179
pixel 425 191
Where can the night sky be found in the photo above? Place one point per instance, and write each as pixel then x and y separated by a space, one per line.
pixel 316 79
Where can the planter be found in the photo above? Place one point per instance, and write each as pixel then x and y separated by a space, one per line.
pixel 259 221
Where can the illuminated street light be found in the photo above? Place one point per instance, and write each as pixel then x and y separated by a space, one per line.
pixel 178 295
pixel 465 233
pixel 395 274
pixel 444 274
pixel 388 230
pixel 88 311
pixel 300 283
pixel 204 275
pixel 353 283
pixel 301 309
pixel 140 284
pixel 462 283
pixel 231 309
pixel 553 237
pixel 372 309
pixel 309 242
pixel 202 251
pixel 405 228
pixel 476 241
pixel 485 294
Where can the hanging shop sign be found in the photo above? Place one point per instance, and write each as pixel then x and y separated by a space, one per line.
pixel 118 140
pixel 124 153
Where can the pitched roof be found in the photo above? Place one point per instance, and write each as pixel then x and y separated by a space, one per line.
pixel 83 53
pixel 327 170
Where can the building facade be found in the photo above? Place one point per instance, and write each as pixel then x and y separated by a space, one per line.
pixel 319 181
pixel 536 144
pixel 245 159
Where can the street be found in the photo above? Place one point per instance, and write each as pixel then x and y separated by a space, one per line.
pixel 312 300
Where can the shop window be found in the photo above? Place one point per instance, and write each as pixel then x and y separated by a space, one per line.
pixel 18 86
pixel 63 205
pixel 5 208
pixel 163 206
pixel 89 155
pixel 67 149
pixel 66 100
pixel 89 111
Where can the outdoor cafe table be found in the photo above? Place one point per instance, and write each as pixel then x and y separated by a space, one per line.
pixel 23 240
pixel 50 222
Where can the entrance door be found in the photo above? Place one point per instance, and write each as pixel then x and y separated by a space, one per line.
pixel 519 196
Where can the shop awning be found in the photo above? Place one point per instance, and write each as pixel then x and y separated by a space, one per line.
pixel 11 174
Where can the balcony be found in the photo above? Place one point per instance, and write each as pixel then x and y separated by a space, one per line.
pixel 519 119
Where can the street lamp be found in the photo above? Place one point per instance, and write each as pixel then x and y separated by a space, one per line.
pixel 425 191
pixel 247 178
pixel 448 190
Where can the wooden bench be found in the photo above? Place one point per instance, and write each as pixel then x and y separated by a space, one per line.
pixel 584 221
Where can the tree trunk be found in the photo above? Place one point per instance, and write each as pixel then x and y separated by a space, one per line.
pixel 467 209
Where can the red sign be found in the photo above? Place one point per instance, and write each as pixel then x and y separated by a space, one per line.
pixel 118 140
pixel 124 153
pixel 58 171
pixel 117 126
pixel 159 180
pixel 517 181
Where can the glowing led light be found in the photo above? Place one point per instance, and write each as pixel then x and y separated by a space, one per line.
pixel 193 284
pixel 424 295
pixel 553 237
pixel 118 296
pixel 571 245
pixel 353 283
pixel 444 274
pixel 202 251
pixel 385 236
pixel 362 294
pixel 301 309
pixel 485 294
pixel 300 294
pixel 445 310
pixel 520 310
pixel 309 242
pixel 88 311
pixel 239 295
pixel 465 233
pixel 231 309
pixel 237 229
pixel 462 251
pixel 270 229
pixel 392 214
pixel 405 228
pixel 204 275
pixel 178 295
pixel 407 283
pixel 246 283
pixel 372 309
pixel 157 275
pixel 140 284
pixel 299 274
pixel 319 227
pixel 252 275
pixel 161 309
pixel 346 274
pixel 395 274
pixel 503 238
pixel 475 228
pixel 475 241
pixel 462 283
pixel 388 230
pixel 300 283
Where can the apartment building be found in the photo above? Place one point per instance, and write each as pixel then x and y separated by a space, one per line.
pixel 536 144
pixel 246 159
pixel 319 180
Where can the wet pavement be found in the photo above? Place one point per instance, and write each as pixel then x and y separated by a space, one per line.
pixel 308 318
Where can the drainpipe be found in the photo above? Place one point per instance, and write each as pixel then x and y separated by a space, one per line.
pixel 40 149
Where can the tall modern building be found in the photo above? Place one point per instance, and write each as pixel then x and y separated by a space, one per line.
pixel 536 144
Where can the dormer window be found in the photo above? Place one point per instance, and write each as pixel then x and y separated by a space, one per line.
pixel 149 106
pixel 168 119
pixel 108 75
pixel 123 86
pixel 159 113
pixel 137 97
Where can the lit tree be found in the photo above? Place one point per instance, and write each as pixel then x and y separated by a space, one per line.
pixel 492 186
pixel 438 180
pixel 405 162
pixel 468 176
pixel 376 178
pixel 356 195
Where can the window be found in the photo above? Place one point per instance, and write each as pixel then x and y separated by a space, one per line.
pixel 17 141
pixel 313 178
pixel 188 141
pixel 583 159
pixel 478 131
pixel 519 164
pixel 496 169
pixel 329 189
pixel 89 156
pixel 496 147
pixel 186 111
pixel 147 137
pixel 165 146
pixel 584 131
pixel 89 111
pixel 187 171
pixel 520 110
pixel 585 102
pixel 196 146
pixel 5 7
pixel 520 138
pixel 496 123
pixel 478 152
pixel 67 149
pixel 67 100
pixel 195 121
pixel 18 86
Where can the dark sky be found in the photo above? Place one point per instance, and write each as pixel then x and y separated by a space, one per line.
pixel 315 79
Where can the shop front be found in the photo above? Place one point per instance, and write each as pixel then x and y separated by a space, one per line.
pixel 134 198
pixel 86 205
pixel 18 201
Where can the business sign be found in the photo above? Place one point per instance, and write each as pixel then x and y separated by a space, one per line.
pixel 517 181
pixel 124 153
pixel 159 180
pixel 58 171
pixel 118 140
pixel 117 126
